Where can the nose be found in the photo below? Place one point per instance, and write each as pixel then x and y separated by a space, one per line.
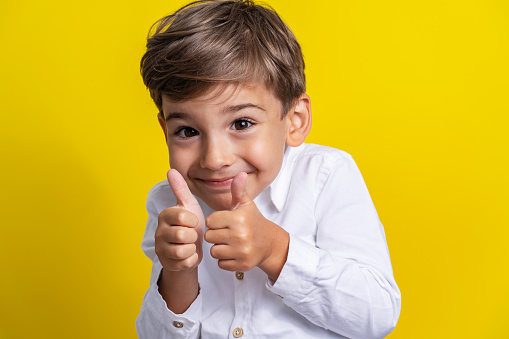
pixel 216 153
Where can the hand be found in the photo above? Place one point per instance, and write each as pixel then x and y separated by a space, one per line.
pixel 244 238
pixel 179 233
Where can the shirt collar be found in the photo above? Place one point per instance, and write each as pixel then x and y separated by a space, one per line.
pixel 280 187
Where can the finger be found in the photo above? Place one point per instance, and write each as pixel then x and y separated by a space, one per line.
pixel 179 187
pixel 219 219
pixel 239 193
pixel 231 265
pixel 179 251
pixel 176 216
pixel 172 252
pixel 220 236
pixel 180 235
pixel 222 252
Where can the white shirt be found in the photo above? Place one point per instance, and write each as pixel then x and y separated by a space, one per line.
pixel 337 281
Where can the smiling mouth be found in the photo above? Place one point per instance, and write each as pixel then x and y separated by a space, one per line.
pixel 218 183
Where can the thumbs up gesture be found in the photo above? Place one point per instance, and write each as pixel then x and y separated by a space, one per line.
pixel 243 238
pixel 179 234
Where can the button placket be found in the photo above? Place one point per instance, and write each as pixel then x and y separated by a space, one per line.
pixel 242 305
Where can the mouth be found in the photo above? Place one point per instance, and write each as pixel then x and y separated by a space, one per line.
pixel 217 183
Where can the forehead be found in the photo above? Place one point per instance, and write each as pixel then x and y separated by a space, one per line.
pixel 223 96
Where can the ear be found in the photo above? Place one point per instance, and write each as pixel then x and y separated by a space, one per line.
pixel 162 122
pixel 299 121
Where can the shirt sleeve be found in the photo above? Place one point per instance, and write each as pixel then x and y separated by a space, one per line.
pixel 155 320
pixel 344 282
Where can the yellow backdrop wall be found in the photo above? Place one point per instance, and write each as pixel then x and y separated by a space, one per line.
pixel 416 91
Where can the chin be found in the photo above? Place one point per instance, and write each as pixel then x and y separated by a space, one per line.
pixel 219 205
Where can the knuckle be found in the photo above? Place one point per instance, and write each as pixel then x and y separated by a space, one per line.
pixel 163 215
pixel 172 252
pixel 188 263
pixel 179 252
pixel 240 219
pixel 180 235
pixel 242 236
pixel 181 217
pixel 244 251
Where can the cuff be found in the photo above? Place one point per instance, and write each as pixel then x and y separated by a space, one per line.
pixel 185 325
pixel 297 275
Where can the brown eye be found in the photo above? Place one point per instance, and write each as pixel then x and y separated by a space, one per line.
pixel 187 132
pixel 241 124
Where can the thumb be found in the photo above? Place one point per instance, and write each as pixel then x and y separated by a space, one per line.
pixel 179 187
pixel 239 193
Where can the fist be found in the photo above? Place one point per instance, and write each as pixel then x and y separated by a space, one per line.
pixel 243 237
pixel 179 233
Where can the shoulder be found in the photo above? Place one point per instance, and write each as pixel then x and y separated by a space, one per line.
pixel 325 151
pixel 315 165
pixel 305 172
pixel 323 157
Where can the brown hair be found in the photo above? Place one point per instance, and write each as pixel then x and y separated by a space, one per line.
pixel 207 43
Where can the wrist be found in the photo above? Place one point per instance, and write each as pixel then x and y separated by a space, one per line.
pixel 178 288
pixel 170 278
pixel 273 264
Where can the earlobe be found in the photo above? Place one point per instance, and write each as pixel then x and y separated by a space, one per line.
pixel 162 122
pixel 299 119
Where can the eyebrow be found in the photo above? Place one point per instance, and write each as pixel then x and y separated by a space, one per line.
pixel 227 110
pixel 236 108
pixel 177 115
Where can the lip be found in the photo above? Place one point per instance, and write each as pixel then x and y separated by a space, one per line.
pixel 217 182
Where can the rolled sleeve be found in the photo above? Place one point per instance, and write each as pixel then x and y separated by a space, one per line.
pixel 157 321
pixel 298 272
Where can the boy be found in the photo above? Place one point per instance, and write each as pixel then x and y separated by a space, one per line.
pixel 255 234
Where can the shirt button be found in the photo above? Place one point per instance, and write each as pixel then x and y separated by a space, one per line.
pixel 178 324
pixel 237 333
pixel 239 276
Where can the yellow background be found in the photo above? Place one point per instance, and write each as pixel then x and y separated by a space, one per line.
pixel 416 91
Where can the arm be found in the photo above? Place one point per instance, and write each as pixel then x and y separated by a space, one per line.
pixel 343 282
pixel 178 289
pixel 172 307
pixel 157 321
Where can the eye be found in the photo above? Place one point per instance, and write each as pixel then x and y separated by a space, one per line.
pixel 186 132
pixel 241 124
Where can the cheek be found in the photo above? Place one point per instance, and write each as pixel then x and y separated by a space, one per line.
pixel 179 159
pixel 267 153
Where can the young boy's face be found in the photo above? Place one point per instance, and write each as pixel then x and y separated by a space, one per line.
pixel 214 137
